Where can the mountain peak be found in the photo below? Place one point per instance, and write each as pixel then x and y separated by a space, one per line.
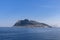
pixel 30 23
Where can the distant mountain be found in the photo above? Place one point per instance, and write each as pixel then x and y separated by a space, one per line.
pixel 30 23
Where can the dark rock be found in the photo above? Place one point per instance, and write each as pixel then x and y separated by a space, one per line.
pixel 30 23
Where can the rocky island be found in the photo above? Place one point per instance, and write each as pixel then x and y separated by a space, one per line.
pixel 30 23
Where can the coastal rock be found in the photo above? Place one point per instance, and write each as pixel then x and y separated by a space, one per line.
pixel 30 23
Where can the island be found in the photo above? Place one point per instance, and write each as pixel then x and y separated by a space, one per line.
pixel 30 23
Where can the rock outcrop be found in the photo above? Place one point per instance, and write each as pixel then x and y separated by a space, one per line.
pixel 30 23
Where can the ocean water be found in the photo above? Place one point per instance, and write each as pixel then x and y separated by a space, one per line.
pixel 14 33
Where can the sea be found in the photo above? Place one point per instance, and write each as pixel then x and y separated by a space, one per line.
pixel 22 33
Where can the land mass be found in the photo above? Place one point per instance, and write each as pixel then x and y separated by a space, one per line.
pixel 30 23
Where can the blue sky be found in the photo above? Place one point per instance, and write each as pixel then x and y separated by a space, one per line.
pixel 47 11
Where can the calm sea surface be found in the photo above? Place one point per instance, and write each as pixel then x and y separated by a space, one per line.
pixel 14 33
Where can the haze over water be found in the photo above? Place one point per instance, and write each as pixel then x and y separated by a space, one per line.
pixel 43 11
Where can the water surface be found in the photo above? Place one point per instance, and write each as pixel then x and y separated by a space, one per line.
pixel 14 33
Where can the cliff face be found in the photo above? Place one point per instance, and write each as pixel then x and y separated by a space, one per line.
pixel 30 23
